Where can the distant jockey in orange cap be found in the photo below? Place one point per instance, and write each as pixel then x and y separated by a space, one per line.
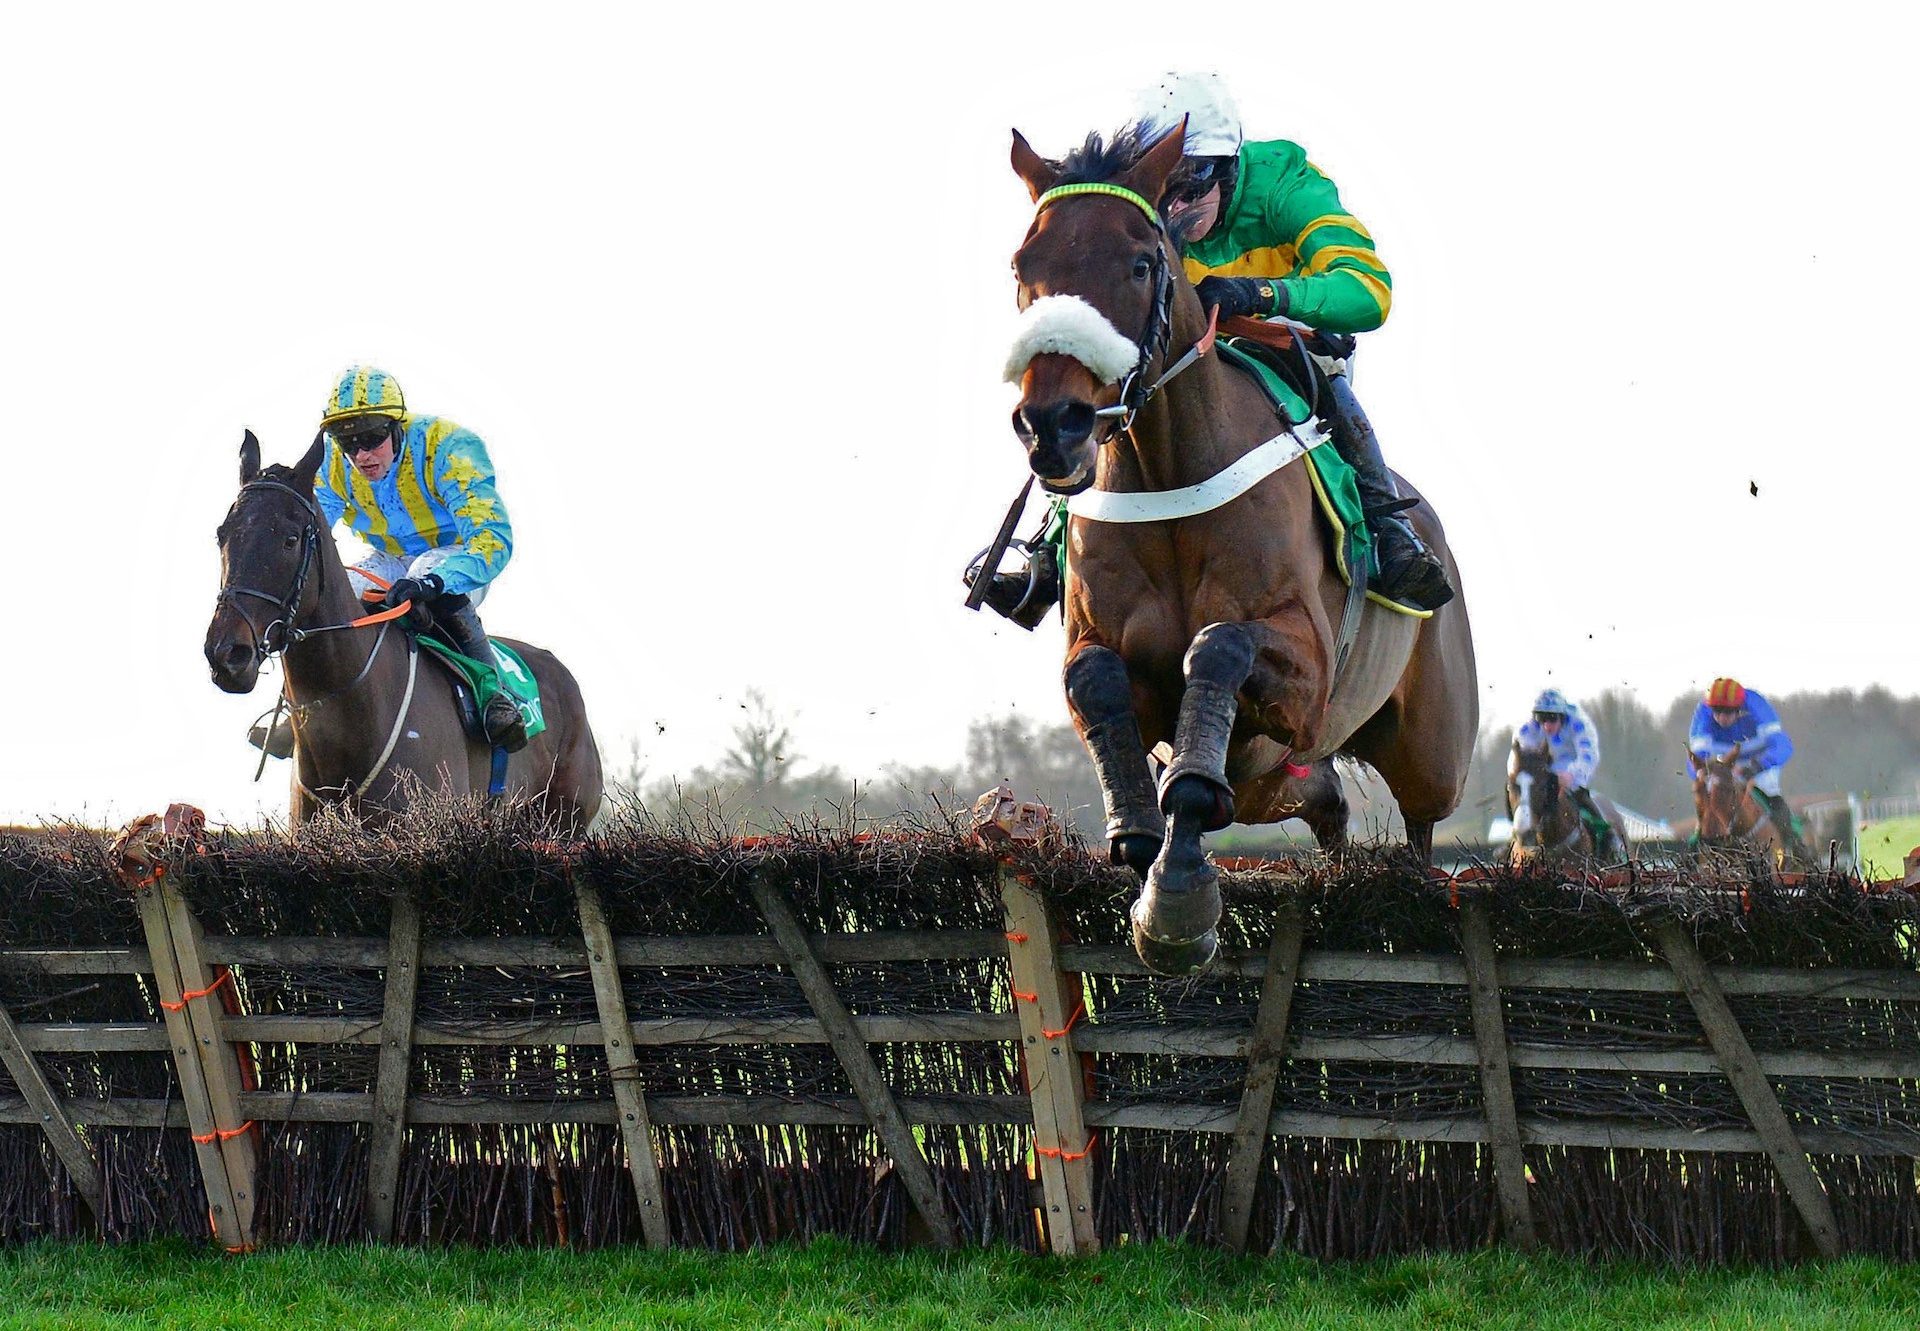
pixel 1730 716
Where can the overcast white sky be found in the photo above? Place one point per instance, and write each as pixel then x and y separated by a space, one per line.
pixel 725 290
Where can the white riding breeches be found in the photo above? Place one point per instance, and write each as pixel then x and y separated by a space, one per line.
pixel 395 567
pixel 1768 782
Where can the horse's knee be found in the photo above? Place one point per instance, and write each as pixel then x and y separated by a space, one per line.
pixel 1097 683
pixel 1221 653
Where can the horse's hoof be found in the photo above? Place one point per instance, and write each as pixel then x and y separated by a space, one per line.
pixel 1178 914
pixel 1136 850
pixel 1187 957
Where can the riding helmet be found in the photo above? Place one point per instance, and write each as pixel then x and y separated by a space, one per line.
pixel 362 392
pixel 1213 121
pixel 1552 701
pixel 1726 693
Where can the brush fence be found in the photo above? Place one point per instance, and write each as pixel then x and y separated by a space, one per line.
pixel 912 1040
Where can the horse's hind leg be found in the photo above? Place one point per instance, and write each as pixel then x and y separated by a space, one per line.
pixel 1101 695
pixel 1174 918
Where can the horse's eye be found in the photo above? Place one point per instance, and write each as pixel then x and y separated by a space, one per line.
pixel 1142 268
pixel 290 542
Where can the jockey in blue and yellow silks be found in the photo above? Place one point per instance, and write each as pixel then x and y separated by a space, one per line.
pixel 420 491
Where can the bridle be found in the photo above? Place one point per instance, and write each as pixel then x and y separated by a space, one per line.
pixel 1546 780
pixel 1135 390
pixel 287 606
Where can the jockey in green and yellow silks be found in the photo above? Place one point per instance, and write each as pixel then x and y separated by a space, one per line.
pixel 420 491
pixel 1265 236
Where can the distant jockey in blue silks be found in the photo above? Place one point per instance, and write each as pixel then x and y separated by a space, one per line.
pixel 1731 715
pixel 1560 727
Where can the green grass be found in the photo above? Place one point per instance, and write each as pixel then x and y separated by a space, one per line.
pixel 1884 846
pixel 836 1285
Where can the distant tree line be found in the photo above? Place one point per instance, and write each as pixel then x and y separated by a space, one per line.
pixel 763 779
pixel 1863 741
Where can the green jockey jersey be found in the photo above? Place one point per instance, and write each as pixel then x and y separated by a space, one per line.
pixel 1285 221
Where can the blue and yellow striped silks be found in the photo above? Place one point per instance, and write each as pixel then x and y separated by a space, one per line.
pixel 438 494
pixel 363 390
pixel 1285 221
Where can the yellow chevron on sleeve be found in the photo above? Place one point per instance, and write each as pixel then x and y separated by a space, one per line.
pixel 1332 254
pixel 486 545
pixel 1382 293
pixel 1345 221
pixel 1267 261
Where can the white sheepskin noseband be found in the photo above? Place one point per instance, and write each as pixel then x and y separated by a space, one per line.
pixel 1071 327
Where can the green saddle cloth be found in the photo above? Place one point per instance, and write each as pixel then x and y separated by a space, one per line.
pixel 505 673
pixel 1332 475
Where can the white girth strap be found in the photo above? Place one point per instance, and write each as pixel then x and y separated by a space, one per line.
pixel 1222 487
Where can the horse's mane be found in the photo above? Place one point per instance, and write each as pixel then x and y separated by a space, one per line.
pixel 1099 160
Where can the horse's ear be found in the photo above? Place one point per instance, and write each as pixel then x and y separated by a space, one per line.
pixel 309 466
pixel 1040 174
pixel 249 458
pixel 1150 174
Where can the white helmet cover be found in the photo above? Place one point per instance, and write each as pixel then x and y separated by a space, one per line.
pixel 1213 121
pixel 1552 700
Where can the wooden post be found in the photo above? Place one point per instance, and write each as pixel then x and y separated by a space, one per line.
pixel 1750 1083
pixel 623 1069
pixel 1050 1002
pixel 396 1068
pixel 208 1070
pixel 1265 1052
pixel 875 1096
pixel 45 1101
pixel 1496 1075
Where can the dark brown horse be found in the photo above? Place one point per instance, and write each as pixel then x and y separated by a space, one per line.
pixel 1214 633
pixel 1545 822
pixel 1725 810
pixel 373 723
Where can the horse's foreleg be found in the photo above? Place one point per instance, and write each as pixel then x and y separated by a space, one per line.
pixel 1101 695
pixel 1174 919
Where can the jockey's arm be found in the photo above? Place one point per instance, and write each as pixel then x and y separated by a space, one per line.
pixel 1342 286
pixel 463 481
pixel 1583 751
pixel 1767 729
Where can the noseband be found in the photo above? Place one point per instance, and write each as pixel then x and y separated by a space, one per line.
pixel 265 641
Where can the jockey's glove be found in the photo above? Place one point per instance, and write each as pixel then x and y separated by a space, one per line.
pixel 420 590
pixel 1243 297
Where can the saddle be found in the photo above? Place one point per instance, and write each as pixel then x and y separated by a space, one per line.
pixel 475 682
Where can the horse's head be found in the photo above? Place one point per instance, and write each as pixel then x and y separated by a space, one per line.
pixel 1533 791
pixel 269 549
pixel 1097 278
pixel 1717 789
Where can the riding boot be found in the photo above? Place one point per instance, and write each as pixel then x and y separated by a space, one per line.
pixel 1410 572
pixel 1026 597
pixel 502 720
pixel 1780 814
pixel 1606 845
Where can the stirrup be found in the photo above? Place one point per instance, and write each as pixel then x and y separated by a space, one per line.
pixel 275 743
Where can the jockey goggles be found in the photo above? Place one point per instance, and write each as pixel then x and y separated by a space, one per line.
pixel 363 439
pixel 1201 174
pixel 1544 717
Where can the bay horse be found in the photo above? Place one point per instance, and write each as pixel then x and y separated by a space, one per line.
pixel 1215 633
pixel 372 726
pixel 1726 813
pixel 1545 822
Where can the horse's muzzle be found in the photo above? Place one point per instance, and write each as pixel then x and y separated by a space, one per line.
pixel 1059 441
pixel 232 660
